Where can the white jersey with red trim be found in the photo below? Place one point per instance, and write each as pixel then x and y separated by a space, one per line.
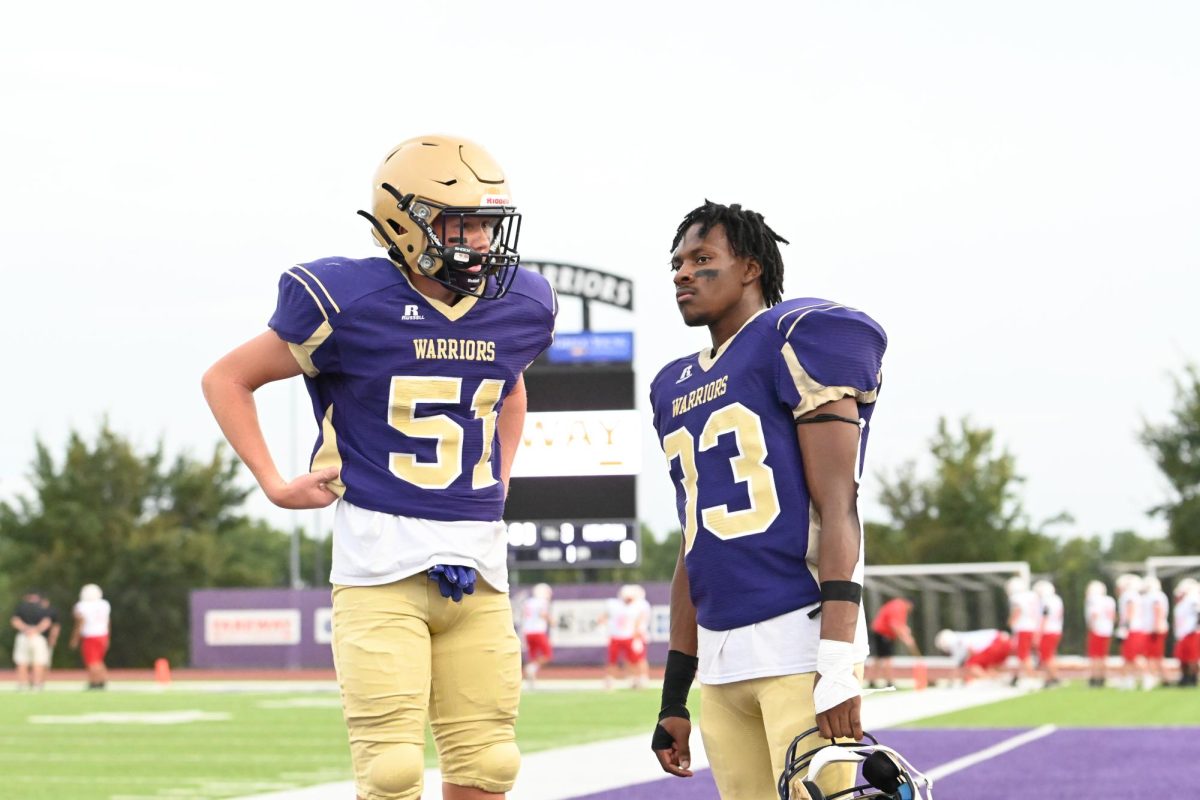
pixel 1130 615
pixel 533 615
pixel 1052 614
pixel 1101 615
pixel 622 618
pixel 968 643
pixel 1187 610
pixel 1026 610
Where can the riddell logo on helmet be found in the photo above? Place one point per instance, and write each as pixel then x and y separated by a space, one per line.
pixel 495 200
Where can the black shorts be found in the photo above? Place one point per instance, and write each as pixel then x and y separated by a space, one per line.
pixel 882 646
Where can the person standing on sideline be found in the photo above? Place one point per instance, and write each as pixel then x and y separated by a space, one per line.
pixel 889 625
pixel 91 633
pixel 1186 619
pixel 1050 633
pixel 764 434
pixel 1131 630
pixel 53 632
pixel 641 632
pixel 31 653
pixel 625 649
pixel 1156 607
pixel 415 367
pixel 535 627
pixel 1024 621
pixel 1100 613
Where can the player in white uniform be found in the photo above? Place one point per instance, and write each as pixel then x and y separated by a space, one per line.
pixel 624 647
pixel 976 654
pixel 1187 630
pixel 1101 614
pixel 1130 629
pixel 1051 630
pixel 1155 608
pixel 1025 622
pixel 535 627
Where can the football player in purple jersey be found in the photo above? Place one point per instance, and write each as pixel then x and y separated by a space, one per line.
pixel 414 365
pixel 764 434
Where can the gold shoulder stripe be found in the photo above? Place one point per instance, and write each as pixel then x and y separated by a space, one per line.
pixel 303 352
pixel 311 294
pixel 323 289
pixel 814 394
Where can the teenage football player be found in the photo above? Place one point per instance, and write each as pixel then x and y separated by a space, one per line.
pixel 1187 630
pixel 1100 612
pixel 414 366
pixel 976 654
pixel 1131 630
pixel 1050 633
pixel 1155 607
pixel 764 434
pixel 1025 622
pixel 535 626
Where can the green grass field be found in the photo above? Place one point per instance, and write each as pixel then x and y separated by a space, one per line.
pixel 249 743
pixel 1077 706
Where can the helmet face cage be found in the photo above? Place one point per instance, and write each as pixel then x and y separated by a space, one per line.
pixel 430 196
pixel 797 781
pixel 447 258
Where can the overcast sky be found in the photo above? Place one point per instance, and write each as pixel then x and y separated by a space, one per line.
pixel 1009 188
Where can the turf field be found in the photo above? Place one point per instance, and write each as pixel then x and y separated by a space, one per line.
pixel 123 745
pixel 207 745
pixel 1077 706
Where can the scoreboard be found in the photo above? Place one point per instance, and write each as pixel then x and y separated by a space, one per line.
pixel 572 500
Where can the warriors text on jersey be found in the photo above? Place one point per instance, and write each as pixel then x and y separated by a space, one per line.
pixel 406 389
pixel 726 421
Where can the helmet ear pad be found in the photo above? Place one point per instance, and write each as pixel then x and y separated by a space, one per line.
pixel 814 791
pixel 882 772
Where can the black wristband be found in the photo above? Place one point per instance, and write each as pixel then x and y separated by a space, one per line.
pixel 841 590
pixel 677 681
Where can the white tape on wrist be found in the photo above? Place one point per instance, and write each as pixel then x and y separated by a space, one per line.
pixel 835 664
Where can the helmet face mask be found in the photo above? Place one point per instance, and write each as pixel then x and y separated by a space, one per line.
pixel 888 774
pixel 441 208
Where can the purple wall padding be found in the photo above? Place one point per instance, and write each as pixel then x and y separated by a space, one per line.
pixel 577 639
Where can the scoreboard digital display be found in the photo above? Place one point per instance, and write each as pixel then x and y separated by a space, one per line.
pixel 572 499
pixel 574 543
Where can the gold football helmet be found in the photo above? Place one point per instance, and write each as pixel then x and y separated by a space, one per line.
pixel 438 202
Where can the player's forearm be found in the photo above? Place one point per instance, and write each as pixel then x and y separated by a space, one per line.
pixel 232 405
pixel 837 562
pixel 509 428
pixel 683 613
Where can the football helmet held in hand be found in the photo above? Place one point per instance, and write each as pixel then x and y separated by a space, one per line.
pixel 888 774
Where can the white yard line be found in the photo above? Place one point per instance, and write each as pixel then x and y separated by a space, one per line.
pixel 988 753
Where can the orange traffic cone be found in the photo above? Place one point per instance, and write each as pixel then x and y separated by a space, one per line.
pixel 920 675
pixel 162 671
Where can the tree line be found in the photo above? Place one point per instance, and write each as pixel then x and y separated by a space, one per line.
pixel 149 529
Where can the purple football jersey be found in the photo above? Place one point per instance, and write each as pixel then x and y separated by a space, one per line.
pixel 407 390
pixel 727 425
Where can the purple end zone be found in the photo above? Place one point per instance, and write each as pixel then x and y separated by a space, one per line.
pixel 921 747
pixel 1073 762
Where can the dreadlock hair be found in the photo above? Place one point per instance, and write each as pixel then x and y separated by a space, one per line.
pixel 749 236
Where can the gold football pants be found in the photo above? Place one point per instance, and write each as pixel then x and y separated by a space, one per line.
pixel 403 653
pixel 747 727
